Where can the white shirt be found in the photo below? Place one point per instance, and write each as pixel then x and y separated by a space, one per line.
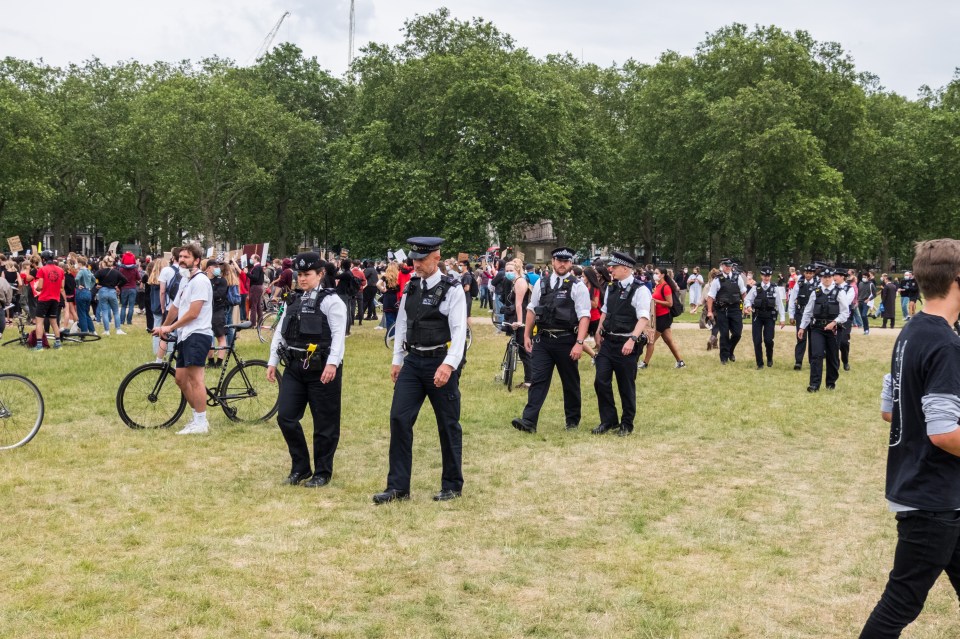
pixel 336 312
pixel 578 293
pixel 642 299
pixel 715 285
pixel 167 273
pixel 794 292
pixel 454 306
pixel 752 295
pixel 811 303
pixel 194 289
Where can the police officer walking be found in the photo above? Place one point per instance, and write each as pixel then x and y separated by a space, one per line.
pixel 827 309
pixel 310 343
pixel 799 296
pixel 764 303
pixel 723 306
pixel 624 320
pixel 560 308
pixel 428 357
pixel 844 330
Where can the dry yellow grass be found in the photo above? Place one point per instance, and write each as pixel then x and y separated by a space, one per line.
pixel 742 507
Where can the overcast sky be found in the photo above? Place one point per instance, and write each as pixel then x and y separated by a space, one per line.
pixel 907 44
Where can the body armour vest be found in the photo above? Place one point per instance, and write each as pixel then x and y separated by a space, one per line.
pixel 846 289
pixel 304 323
pixel 765 303
pixel 804 290
pixel 621 315
pixel 426 325
pixel 827 305
pixel 729 293
pixel 556 310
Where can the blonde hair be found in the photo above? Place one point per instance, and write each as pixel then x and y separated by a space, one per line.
pixel 107 261
pixel 516 263
pixel 391 274
pixel 153 279
pixel 231 274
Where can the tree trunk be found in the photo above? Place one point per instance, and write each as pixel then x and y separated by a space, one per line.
pixel 143 234
pixel 750 250
pixel 884 252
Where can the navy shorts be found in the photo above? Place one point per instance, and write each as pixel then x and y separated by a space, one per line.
pixel 48 309
pixel 193 350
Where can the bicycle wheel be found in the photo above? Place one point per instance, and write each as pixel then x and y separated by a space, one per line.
pixel 149 397
pixel 266 326
pixel 21 410
pixel 389 336
pixel 79 338
pixel 510 366
pixel 469 338
pixel 247 396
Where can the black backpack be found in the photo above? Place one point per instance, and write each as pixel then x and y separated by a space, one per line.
pixel 174 286
pixel 677 309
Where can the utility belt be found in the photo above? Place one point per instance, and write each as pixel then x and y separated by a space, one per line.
pixel 310 358
pixel 623 337
pixel 724 307
pixel 821 323
pixel 555 333
pixel 428 351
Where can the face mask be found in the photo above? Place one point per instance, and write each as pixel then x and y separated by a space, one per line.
pixel 511 276
pixel 216 272
pixel 863 279
pixel 184 271
pixel 656 277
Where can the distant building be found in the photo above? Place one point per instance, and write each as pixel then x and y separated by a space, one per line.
pixel 536 242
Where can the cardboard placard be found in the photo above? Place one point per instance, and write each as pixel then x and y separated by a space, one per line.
pixel 463 257
pixel 113 247
pixel 400 255
pixel 14 243
pixel 344 253
pixel 167 256
pixel 33 249
pixel 209 252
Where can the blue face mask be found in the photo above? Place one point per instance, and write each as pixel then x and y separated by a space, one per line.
pixel 511 276
pixel 216 272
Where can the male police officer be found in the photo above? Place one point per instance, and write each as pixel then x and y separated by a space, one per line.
pixel 723 303
pixel 764 303
pixel 799 296
pixel 428 356
pixel 624 320
pixel 560 308
pixel 827 309
pixel 843 331
pixel 311 343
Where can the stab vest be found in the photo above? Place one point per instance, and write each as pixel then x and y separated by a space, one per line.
pixel 426 325
pixel 621 315
pixel 557 310
pixel 846 289
pixel 804 290
pixel 729 293
pixel 304 323
pixel 827 305
pixel 765 303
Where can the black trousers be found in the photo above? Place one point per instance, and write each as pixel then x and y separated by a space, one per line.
pixel 301 388
pixel 843 340
pixel 414 384
pixel 611 361
pixel 369 292
pixel 927 544
pixel 730 322
pixel 803 345
pixel 823 346
pixel 763 336
pixel 549 353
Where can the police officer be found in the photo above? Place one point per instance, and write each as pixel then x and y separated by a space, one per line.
pixel 844 330
pixel 723 306
pixel 827 309
pixel 310 343
pixel 624 320
pixel 560 308
pixel 799 296
pixel 764 303
pixel 428 356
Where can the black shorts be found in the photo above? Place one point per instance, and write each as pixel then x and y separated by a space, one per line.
pixel 218 323
pixel 664 322
pixel 193 350
pixel 48 309
pixel 594 325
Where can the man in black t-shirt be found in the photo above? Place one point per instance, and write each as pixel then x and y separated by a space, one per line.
pixel 921 400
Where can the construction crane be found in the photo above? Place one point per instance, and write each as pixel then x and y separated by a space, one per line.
pixel 270 36
pixel 353 26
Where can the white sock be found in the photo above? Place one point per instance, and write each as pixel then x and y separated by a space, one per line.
pixel 194 415
pixel 201 417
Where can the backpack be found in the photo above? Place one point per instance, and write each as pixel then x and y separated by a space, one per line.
pixel 174 287
pixel 233 295
pixel 677 309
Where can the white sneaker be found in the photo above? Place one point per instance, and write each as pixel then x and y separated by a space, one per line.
pixel 642 365
pixel 193 428
pixel 158 361
pixel 106 333
pixel 378 328
pixel 120 332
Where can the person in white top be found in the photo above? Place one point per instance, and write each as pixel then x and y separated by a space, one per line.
pixel 827 309
pixel 191 315
pixel 764 303
pixel 695 288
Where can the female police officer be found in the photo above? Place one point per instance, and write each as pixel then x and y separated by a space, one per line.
pixel 310 343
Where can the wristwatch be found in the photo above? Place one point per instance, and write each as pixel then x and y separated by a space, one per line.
pixel 635 338
pixel 580 342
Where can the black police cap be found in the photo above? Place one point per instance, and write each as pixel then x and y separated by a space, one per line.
pixel 766 270
pixel 309 261
pixel 420 247
pixel 563 253
pixel 622 259
pixel 726 261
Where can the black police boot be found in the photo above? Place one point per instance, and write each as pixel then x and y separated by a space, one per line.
pixel 572 426
pixel 603 428
pixel 391 494
pixel 623 431
pixel 760 366
pixel 297 476
pixel 797 367
pixel 831 386
pixel 317 481
pixel 733 357
pixel 846 366
pixel 769 363
pixel 524 426
pixel 812 389
pixel 446 495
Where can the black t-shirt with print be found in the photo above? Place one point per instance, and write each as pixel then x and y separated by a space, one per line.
pixel 925 362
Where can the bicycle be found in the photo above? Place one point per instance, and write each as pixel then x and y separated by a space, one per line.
pixel 25 330
pixel 510 356
pixel 145 400
pixel 21 410
pixel 270 319
pixel 390 335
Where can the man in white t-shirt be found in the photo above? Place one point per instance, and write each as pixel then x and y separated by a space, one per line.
pixel 191 315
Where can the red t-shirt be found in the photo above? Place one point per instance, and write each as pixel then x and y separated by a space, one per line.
pixel 52 277
pixel 595 312
pixel 660 293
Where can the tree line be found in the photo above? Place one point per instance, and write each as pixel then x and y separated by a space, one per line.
pixel 762 144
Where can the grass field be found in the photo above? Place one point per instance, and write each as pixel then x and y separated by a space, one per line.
pixel 741 507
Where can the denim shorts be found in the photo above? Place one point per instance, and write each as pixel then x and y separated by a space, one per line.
pixel 193 350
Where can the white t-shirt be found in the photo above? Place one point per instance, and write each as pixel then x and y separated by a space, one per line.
pixel 167 273
pixel 198 288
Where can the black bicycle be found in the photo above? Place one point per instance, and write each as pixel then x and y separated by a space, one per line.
pixel 21 410
pixel 149 396
pixel 24 331
pixel 512 353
